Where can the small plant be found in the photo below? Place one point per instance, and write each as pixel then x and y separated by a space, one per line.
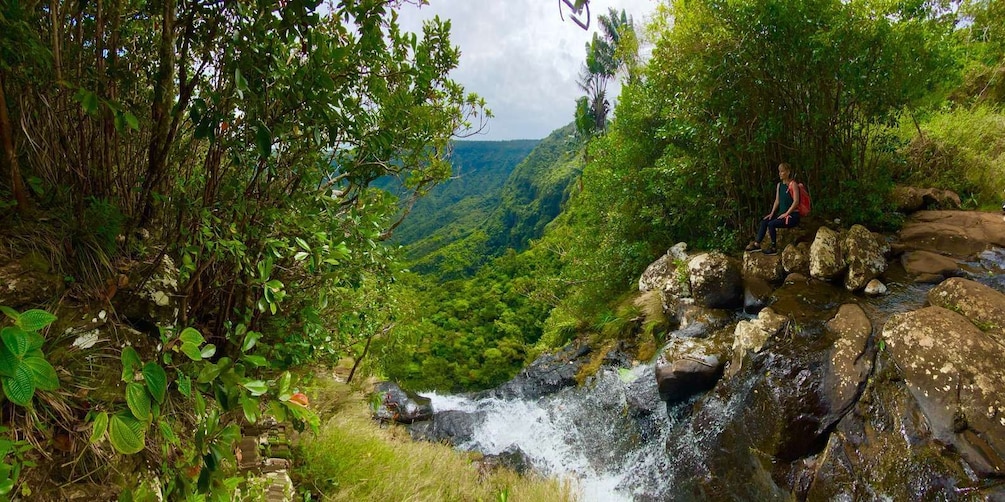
pixel 23 366
pixel 11 461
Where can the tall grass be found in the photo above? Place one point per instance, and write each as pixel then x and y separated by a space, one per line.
pixel 962 149
pixel 354 459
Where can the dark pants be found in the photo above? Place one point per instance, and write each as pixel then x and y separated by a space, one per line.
pixel 771 227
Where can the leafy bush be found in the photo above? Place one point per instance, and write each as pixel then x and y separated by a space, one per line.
pixel 23 366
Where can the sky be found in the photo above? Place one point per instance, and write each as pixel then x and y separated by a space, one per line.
pixel 521 57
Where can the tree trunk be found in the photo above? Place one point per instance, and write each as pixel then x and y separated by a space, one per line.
pixel 159 114
pixel 8 154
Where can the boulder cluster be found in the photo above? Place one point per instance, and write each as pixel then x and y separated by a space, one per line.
pixel 837 391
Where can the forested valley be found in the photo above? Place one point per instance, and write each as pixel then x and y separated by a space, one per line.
pixel 207 210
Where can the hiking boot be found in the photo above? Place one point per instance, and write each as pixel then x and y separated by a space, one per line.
pixel 771 250
pixel 752 247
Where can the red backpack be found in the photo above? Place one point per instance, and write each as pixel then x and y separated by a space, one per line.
pixel 804 200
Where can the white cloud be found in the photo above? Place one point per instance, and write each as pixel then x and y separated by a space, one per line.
pixel 520 57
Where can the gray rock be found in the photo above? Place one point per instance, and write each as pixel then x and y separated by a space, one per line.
pixel 751 336
pixel 983 306
pixel 865 253
pixel 401 406
pixel 850 364
pixel 796 258
pixel 827 261
pixel 764 267
pixel 656 275
pixel 688 366
pixel 715 280
pixel 875 288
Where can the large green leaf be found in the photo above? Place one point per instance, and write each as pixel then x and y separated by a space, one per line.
pixel 44 374
pixel 131 363
pixel 9 312
pixel 21 387
pixel 16 340
pixel 191 335
pixel 35 341
pixel 263 139
pixel 138 401
pixel 192 351
pixel 99 427
pixel 127 434
pixel 256 387
pixel 8 361
pixel 156 380
pixel 35 320
pixel 250 340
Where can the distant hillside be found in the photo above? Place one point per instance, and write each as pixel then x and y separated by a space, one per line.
pixel 480 170
pixel 531 197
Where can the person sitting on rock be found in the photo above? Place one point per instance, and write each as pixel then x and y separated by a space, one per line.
pixel 786 196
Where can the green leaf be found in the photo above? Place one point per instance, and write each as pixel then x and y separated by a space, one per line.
pixel 263 139
pixel 35 342
pixel 44 374
pixel 127 434
pixel 184 384
pixel 9 312
pixel 132 121
pixel 130 363
pixel 257 361
pixel 302 243
pixel 35 320
pixel 99 427
pixel 256 387
pixel 156 380
pixel 138 401
pixel 8 361
pixel 208 351
pixel 250 407
pixel 209 372
pixel 250 340
pixel 20 387
pixel 191 335
pixel 16 340
pixel 284 385
pixel 192 351
pixel 167 433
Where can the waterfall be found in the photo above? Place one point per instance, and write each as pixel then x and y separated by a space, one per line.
pixel 607 437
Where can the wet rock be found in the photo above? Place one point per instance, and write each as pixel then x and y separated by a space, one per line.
pixel 954 372
pixel 850 363
pixel 761 266
pixel 151 298
pixel 865 253
pixel 512 458
pixel 926 266
pixel 910 199
pixel 960 234
pixel 452 426
pixel 401 406
pixel 657 274
pixel 809 302
pixel 548 374
pixel 689 366
pixel 715 280
pixel 756 295
pixel 751 336
pixel 796 258
pixel 875 288
pixel 827 261
pixel 983 306
pixel 883 450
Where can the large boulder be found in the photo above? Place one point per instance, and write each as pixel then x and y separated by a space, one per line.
pixel 910 199
pixel 451 426
pixel 850 363
pixel 865 253
pixel 796 258
pixel 926 266
pixel 954 372
pixel 756 294
pixel 549 373
pixel 400 405
pixel 827 261
pixel 762 266
pixel 688 366
pixel 960 234
pixel 659 272
pixel 715 280
pixel 753 335
pixel 984 306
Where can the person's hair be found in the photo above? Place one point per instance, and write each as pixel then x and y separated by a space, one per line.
pixel 787 167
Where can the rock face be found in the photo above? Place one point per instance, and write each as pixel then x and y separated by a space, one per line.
pixel 688 366
pixel 911 199
pixel 826 258
pixel 715 280
pixel 850 363
pixel 764 267
pixel 796 258
pixel 865 253
pixel 926 266
pixel 983 306
pixel 958 234
pixel 954 372
pixel 548 374
pixel 451 426
pixel 401 406
pixel 662 270
pixel 751 336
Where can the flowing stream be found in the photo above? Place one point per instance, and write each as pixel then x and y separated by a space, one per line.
pixel 613 438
